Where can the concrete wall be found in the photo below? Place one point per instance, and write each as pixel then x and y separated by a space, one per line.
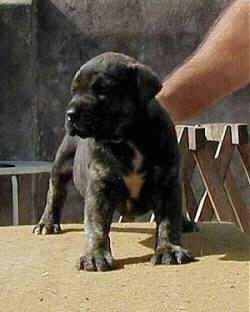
pixel 44 42
pixel 18 135
pixel 160 33
pixel 17 80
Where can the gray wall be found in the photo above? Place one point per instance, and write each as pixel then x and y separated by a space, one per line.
pixel 17 80
pixel 44 42
pixel 160 33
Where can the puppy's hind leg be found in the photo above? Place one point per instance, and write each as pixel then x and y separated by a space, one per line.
pixel 61 173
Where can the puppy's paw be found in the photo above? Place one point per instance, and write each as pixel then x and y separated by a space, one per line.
pixel 46 229
pixel 96 262
pixel 173 254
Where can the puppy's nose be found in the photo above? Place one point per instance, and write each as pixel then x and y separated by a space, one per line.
pixel 72 114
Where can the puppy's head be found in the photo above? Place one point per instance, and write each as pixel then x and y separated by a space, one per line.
pixel 107 94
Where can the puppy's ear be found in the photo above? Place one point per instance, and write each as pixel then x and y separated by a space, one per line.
pixel 148 84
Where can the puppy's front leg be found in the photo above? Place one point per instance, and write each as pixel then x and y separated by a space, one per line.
pixel 98 212
pixel 168 212
pixel 61 173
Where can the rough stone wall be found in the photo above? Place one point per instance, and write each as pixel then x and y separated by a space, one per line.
pixel 160 33
pixel 17 80
pixel 18 135
pixel 44 42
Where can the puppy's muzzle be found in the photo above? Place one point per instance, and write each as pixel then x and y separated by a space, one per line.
pixel 72 114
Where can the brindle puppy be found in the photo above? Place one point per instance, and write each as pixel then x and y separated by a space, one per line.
pixel 126 158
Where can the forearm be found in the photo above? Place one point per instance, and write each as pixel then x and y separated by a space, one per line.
pixel 220 66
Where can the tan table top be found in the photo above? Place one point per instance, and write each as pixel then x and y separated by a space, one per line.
pixel 37 273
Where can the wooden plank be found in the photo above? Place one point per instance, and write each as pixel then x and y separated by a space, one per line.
pixel 25 196
pixel 239 134
pixel 226 199
pixel 187 173
pixel 213 131
pixel 187 168
pixel 224 151
pixel 6 217
pixel 40 184
pixel 239 206
pixel 224 156
pixel 126 219
pixel 179 132
pixel 228 135
pixel 196 138
pixel 205 211
pixel 209 171
pixel 244 151
pixel 152 218
pixel 182 136
pixel 31 197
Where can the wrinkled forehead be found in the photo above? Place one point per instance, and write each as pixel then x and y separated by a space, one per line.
pixel 82 81
pixel 112 65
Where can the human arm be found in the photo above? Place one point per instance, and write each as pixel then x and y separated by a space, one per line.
pixel 219 66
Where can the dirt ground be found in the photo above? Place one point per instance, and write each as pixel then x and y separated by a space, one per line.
pixel 37 273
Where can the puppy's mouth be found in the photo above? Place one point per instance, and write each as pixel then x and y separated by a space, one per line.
pixel 94 128
pixel 74 129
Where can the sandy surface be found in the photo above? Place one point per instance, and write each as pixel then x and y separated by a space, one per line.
pixel 37 273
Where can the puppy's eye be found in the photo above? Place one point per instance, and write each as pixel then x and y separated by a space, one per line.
pixel 103 86
pixel 102 97
pixel 103 90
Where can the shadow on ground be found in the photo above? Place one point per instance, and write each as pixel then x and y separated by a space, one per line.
pixel 223 239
